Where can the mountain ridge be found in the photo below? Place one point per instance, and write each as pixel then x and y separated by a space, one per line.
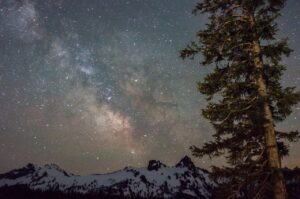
pixel 157 180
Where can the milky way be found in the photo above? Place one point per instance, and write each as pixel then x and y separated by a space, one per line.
pixel 98 85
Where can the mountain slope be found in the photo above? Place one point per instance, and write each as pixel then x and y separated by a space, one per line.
pixel 183 180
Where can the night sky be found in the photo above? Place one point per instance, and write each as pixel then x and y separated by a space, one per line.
pixel 97 85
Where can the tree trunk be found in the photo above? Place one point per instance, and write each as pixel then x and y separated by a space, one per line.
pixel 269 131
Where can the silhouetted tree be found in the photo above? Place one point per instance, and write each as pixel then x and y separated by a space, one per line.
pixel 245 96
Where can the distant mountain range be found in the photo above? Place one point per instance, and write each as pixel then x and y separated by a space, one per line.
pixel 157 181
pixel 184 181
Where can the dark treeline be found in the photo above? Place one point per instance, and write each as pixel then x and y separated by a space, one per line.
pixel 23 192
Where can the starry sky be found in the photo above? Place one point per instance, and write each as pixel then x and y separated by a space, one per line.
pixel 98 85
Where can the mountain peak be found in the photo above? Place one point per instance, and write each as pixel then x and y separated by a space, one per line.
pixel 155 165
pixel 57 168
pixel 186 162
pixel 30 166
pixel 53 166
pixel 17 173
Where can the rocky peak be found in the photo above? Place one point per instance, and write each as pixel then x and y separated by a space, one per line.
pixel 53 166
pixel 17 173
pixel 57 168
pixel 155 165
pixel 30 166
pixel 186 162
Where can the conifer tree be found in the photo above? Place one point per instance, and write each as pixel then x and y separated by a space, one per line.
pixel 245 96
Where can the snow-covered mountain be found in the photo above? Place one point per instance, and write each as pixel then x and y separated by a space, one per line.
pixel 184 180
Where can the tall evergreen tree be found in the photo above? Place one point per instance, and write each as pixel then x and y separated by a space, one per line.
pixel 246 98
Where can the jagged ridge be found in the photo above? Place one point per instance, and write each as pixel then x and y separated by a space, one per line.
pixel 183 180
